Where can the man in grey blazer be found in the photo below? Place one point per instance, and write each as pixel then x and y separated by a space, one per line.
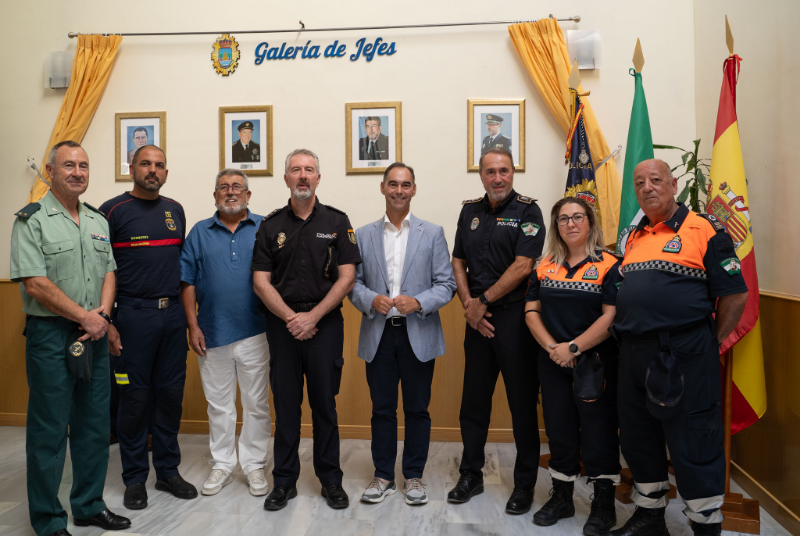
pixel 404 279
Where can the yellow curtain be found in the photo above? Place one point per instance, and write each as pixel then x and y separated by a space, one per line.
pixel 542 48
pixel 90 70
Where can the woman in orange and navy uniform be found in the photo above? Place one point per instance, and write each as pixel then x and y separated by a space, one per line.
pixel 570 306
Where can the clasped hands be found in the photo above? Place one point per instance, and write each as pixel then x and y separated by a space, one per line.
pixel 302 326
pixel 476 314
pixel 405 304
pixel 561 355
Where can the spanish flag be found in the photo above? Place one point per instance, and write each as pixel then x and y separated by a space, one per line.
pixel 728 201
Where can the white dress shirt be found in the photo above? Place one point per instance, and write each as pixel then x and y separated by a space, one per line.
pixel 394 248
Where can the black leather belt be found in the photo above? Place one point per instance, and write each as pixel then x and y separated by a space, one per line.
pixel 302 307
pixel 396 321
pixel 139 303
pixel 677 332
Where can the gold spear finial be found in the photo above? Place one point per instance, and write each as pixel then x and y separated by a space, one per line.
pixel 638 57
pixel 728 36
pixel 575 76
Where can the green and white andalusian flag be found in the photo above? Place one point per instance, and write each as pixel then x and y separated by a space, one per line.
pixel 638 149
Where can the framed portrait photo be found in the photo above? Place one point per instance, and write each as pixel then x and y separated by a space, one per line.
pixel 134 130
pixel 495 123
pixel 245 139
pixel 374 136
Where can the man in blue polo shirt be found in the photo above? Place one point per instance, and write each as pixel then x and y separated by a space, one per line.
pixel 228 332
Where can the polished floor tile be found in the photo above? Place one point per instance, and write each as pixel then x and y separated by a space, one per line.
pixel 234 512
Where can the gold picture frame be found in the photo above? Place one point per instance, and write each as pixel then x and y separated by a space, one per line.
pixel 364 155
pixel 128 126
pixel 508 111
pixel 255 161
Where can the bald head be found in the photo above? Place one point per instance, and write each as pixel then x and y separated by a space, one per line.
pixel 656 163
pixel 655 189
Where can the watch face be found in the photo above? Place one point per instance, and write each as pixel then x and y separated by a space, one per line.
pixel 573 348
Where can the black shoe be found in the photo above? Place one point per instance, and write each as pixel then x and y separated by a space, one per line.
pixel 520 501
pixel 469 484
pixel 714 529
pixel 644 522
pixel 336 496
pixel 60 532
pixel 106 520
pixel 278 497
pixel 178 487
pixel 559 506
pixel 135 497
pixel 112 439
pixel 603 515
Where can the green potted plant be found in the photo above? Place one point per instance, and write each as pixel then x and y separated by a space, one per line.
pixel 697 170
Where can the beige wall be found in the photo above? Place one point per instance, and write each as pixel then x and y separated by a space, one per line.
pixel 433 73
pixel 767 39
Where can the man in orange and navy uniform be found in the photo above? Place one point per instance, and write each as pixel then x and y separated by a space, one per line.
pixel 679 269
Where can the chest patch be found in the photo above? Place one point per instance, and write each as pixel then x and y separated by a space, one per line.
pixel 591 273
pixel 507 222
pixel 281 240
pixel 171 224
pixel 102 238
pixel 674 245
pixel 474 224
pixel 167 214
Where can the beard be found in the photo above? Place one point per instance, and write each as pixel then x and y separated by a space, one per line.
pixel 144 185
pixel 302 196
pixel 230 210
pixel 499 196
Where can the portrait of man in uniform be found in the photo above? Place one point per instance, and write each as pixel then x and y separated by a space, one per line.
pixel 140 139
pixel 375 145
pixel 494 138
pixel 245 149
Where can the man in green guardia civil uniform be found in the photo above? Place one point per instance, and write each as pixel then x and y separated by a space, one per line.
pixel 61 255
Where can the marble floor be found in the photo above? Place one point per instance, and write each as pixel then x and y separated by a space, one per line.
pixel 234 512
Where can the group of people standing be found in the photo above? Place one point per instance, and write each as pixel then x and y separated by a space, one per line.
pixel 261 299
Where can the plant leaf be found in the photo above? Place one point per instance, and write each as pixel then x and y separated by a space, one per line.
pixel 684 194
pixel 701 178
pixel 684 156
pixel 655 146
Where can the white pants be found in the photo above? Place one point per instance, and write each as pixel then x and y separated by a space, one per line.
pixel 247 360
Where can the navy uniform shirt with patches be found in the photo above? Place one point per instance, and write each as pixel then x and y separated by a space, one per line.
pixel 147 238
pixel 491 239
pixel 303 255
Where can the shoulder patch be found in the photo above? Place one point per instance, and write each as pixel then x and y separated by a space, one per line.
pixel 335 209
pixel 714 221
pixel 468 201
pixel 271 214
pixel 28 210
pixel 525 199
pixel 87 205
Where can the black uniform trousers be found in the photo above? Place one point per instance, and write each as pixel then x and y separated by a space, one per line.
pixel 576 429
pixel 693 430
pixel 150 372
pixel 396 362
pixel 513 352
pixel 320 360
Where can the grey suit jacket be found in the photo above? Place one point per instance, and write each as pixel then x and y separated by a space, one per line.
pixel 427 276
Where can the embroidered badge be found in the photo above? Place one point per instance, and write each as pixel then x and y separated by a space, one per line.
pixel 281 240
pixel 352 236
pixel 591 273
pixel 525 199
pixel 530 229
pixel 551 271
pixel 102 238
pixel 167 214
pixel 76 348
pixel 732 266
pixel 171 224
pixel 474 224
pixel 618 284
pixel 674 245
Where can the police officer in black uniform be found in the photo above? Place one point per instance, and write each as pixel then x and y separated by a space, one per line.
pixel 303 266
pixel 495 140
pixel 245 149
pixel 497 239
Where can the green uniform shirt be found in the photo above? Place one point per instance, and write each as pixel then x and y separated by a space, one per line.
pixel 49 243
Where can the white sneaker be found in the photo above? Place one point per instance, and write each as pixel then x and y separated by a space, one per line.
pixel 258 482
pixel 218 479
pixel 377 490
pixel 415 491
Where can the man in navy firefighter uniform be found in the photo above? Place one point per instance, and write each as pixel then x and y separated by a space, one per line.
pixel 498 236
pixel 303 266
pixel 148 331
pixel 679 268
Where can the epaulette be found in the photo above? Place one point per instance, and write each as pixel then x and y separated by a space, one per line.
pixel 28 210
pixel 336 210
pixel 271 214
pixel 612 253
pixel 714 221
pixel 525 199
pixel 87 205
pixel 468 201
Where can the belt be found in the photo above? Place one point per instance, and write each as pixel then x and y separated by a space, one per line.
pixel 302 307
pixel 157 303
pixel 396 321
pixel 677 332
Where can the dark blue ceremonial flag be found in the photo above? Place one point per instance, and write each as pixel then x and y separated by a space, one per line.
pixel 580 177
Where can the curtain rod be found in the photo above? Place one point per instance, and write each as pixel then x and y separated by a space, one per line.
pixel 576 18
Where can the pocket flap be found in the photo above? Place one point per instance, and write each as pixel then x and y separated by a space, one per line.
pixel 56 247
pixel 101 246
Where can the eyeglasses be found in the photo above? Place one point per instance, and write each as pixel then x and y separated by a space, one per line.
pixel 235 188
pixel 577 218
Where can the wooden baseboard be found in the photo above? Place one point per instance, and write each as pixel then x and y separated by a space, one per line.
pixel 767 500
pixel 13 419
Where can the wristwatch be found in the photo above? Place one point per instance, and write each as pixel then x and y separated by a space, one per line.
pixel 484 300
pixel 574 349
pixel 106 317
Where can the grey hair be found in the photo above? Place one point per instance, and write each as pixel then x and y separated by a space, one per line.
pixel 496 150
pixel 296 152
pixel 232 171
pixel 51 158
